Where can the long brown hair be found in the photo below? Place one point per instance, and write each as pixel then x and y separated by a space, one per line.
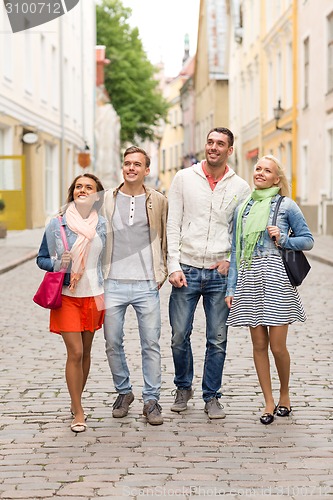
pixel 98 204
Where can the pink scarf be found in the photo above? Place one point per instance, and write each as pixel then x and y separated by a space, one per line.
pixel 85 230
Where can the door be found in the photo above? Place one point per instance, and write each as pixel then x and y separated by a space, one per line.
pixel 13 191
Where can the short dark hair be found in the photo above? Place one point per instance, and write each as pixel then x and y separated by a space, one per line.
pixel 98 204
pixel 225 131
pixel 135 149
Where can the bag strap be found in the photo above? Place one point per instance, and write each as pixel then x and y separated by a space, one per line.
pixel 276 211
pixel 63 233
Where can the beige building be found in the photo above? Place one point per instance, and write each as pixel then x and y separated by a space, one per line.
pixel 171 150
pixel 198 96
pixel 281 96
pixel 47 82
pixel 315 113
pixel 261 76
pixel 211 70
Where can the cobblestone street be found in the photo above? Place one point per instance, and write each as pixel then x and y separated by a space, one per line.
pixel 188 456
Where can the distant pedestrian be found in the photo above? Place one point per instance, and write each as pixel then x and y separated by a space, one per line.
pixel 82 310
pixel 259 292
pixel 202 201
pixel 135 269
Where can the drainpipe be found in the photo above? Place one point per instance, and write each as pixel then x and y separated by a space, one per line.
pixel 295 102
pixel 83 122
pixel 62 111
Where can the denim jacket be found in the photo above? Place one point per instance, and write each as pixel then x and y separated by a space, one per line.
pixel 52 248
pixel 289 218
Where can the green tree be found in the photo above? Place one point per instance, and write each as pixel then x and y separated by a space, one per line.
pixel 129 78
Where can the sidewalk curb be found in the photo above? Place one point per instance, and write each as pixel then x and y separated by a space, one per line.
pixel 320 259
pixel 18 262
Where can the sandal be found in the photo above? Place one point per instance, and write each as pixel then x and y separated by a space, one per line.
pixel 78 427
pixel 73 415
pixel 283 411
pixel 267 418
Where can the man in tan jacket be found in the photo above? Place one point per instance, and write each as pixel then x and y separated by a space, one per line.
pixel 134 270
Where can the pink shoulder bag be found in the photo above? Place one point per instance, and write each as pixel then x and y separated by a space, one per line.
pixel 48 294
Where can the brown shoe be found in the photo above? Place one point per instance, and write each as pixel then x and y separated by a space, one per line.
pixel 121 405
pixel 181 399
pixel 152 410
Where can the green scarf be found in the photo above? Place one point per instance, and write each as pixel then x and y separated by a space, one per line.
pixel 255 224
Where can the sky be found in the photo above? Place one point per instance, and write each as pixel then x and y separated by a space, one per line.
pixel 162 25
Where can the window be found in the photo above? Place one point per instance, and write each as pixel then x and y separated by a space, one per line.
pixel 51 180
pixel 270 104
pixel 2 141
pixel 6 138
pixel 163 160
pixel 330 54
pixel 305 169
pixel 54 79
pixel 306 72
pixel 289 76
pixel 44 72
pixel 289 162
pixel 330 162
pixel 66 87
pixel 7 46
pixel 279 75
pixel 28 74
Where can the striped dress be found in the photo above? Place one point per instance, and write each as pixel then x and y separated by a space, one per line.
pixel 264 295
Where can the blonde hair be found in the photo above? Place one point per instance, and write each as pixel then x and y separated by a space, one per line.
pixel 283 182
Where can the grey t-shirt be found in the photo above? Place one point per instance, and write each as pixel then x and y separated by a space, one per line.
pixel 131 256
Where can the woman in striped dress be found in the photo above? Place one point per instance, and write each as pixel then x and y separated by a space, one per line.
pixel 259 294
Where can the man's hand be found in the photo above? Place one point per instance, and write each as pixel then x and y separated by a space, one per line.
pixel 178 279
pixel 222 267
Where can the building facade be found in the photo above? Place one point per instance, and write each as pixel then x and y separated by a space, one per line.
pixel 47 103
pixel 315 113
pixel 281 96
pixel 211 73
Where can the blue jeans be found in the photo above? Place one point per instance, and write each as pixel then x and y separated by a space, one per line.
pixel 211 286
pixel 144 297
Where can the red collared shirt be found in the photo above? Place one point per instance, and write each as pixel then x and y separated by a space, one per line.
pixel 210 178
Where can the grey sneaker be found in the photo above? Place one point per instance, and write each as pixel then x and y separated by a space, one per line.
pixel 152 410
pixel 214 409
pixel 181 399
pixel 121 405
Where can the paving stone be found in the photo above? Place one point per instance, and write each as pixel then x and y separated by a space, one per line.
pixel 40 457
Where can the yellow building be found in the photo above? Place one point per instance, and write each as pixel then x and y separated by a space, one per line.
pixel 278 82
pixel 262 73
pixel 171 151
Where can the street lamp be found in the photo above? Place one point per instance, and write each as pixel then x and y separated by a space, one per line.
pixel 277 115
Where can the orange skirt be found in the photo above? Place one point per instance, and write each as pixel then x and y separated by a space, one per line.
pixel 78 314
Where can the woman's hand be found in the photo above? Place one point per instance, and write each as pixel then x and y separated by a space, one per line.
pixel 65 259
pixel 228 301
pixel 274 233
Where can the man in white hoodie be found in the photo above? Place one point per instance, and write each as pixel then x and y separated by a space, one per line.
pixel 202 201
